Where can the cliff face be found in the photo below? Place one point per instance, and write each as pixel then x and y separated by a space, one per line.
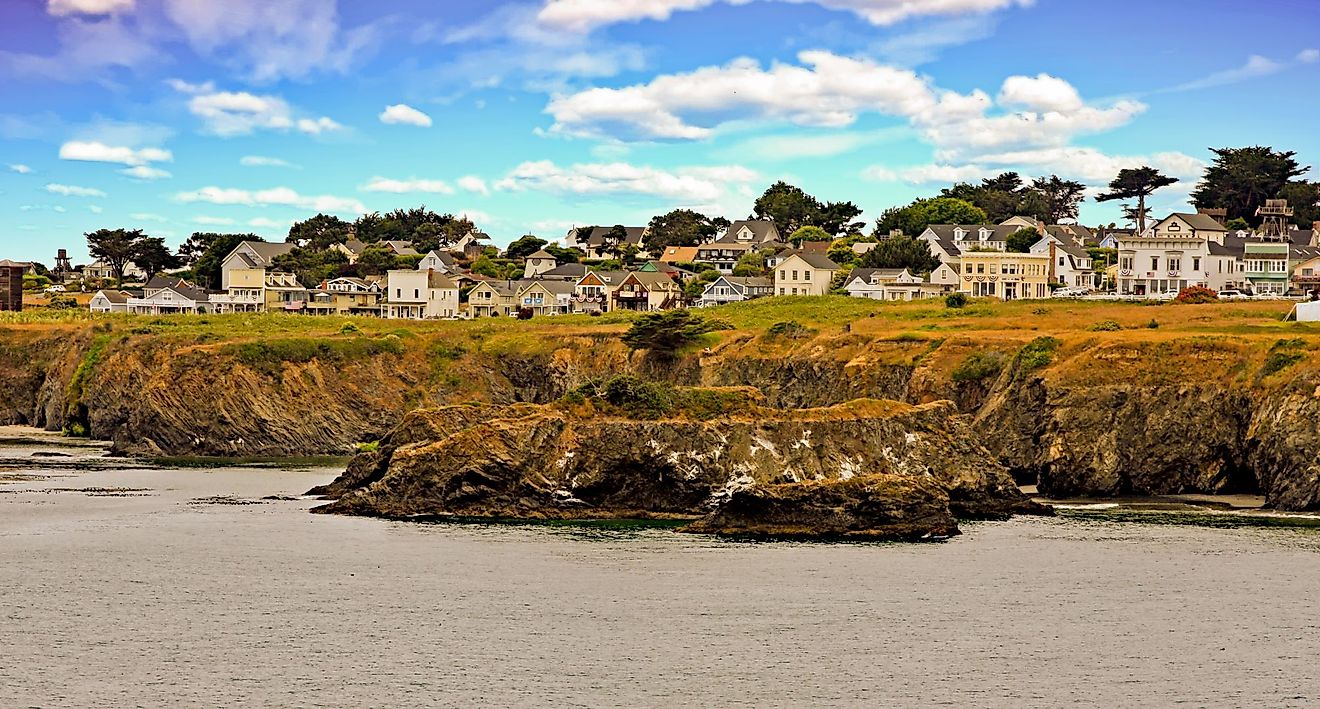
pixel 558 461
pixel 1093 414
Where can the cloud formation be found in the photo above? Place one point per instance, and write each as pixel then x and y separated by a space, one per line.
pixel 403 114
pixel 693 185
pixel 64 8
pixel 277 196
pixel 93 151
pixel 231 113
pixel 413 185
pixel 73 190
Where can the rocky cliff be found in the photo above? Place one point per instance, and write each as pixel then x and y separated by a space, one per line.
pixel 1211 407
pixel 921 466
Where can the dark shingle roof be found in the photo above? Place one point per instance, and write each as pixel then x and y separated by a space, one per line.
pixel 762 230
pixel 814 260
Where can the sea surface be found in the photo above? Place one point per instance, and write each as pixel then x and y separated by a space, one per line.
pixel 124 584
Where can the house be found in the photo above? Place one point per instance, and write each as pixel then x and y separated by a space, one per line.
pixel 438 262
pixel 351 249
pixel 400 248
pixel 751 231
pixel 420 295
pixel 674 272
pixel 538 263
pixel 724 256
pixel 545 297
pixel 1006 275
pixel 646 291
pixel 489 299
pixel 591 294
pixel 679 254
pixel 1172 255
pixel 1072 262
pixel 170 295
pixel 345 296
pixel 100 270
pixel 110 301
pixel 887 284
pixel 565 272
pixel 948 241
pixel 593 241
pixel 1020 222
pixel 11 285
pixel 1074 234
pixel 470 244
pixel 255 290
pixel 802 273
pixel 251 255
pixel 1265 266
pixel 1306 273
pixel 735 289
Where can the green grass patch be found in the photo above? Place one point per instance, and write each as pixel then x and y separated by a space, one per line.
pixel 1037 353
pixel 979 366
pixel 269 356
pixel 1282 355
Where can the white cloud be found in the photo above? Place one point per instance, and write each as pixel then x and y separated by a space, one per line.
pixel 403 114
pixel 62 8
pixel 185 87
pixel 95 209
pixel 925 174
pixel 317 126
pixel 688 185
pixel 92 151
pixel 268 223
pixel 381 184
pixel 213 221
pixel 263 161
pixel 85 50
pixel 20 169
pixel 278 196
pixel 830 91
pixel 230 113
pixel 144 172
pixel 474 184
pixel 586 15
pixel 148 217
pixel 1087 165
pixel 1255 66
pixel 73 190
pixel 797 145
pixel 1308 56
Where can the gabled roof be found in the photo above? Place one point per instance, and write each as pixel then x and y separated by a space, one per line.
pixel 816 247
pixel 866 274
pixel 6 263
pixel 1199 222
pixel 117 297
pixel 436 279
pixel 814 260
pixel 542 255
pixel 746 281
pixel 679 254
pixel 555 287
pixel 612 278
pixel 354 246
pixel 565 270
pixel 268 250
pixel 402 248
pixel 161 282
pixel 445 258
pixel 762 230
pixel 597 235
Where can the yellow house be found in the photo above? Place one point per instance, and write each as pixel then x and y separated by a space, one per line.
pixel 258 290
pixel 1006 275
pixel 492 299
pixel 802 273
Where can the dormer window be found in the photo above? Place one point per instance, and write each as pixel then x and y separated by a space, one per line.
pixel 985 234
pixel 959 234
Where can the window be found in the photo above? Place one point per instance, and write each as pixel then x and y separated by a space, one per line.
pixel 806 275
pixel 1196 263
pixel 1125 263
pixel 1154 263
pixel 1175 264
pixel 781 291
pixel 980 268
pixel 416 293
pixel 398 292
pixel 795 275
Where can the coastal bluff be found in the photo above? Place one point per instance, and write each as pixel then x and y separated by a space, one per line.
pixel 1082 399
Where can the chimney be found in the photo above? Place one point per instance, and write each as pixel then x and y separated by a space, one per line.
pixel 1053 260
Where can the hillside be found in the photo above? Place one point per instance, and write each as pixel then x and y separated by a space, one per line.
pixel 1085 398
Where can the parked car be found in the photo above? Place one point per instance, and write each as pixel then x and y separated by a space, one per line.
pixel 1072 292
pixel 1233 295
pixel 57 288
pixel 1167 295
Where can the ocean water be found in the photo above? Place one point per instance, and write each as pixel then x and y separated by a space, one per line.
pixel 126 585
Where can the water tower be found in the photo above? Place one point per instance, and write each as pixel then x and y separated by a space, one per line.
pixel 63 267
pixel 1275 217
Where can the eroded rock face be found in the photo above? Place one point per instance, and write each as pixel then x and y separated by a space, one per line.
pixel 874 507
pixel 551 462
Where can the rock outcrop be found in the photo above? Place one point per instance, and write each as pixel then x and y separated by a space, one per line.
pixel 561 461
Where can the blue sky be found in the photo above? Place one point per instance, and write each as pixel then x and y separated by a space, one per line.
pixel 177 116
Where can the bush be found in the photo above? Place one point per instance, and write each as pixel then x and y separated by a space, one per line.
pixel 668 332
pixel 1153 324
pixel 955 300
pixel 1106 326
pixel 1037 353
pixel 1196 295
pixel 1282 356
pixel 792 330
pixel 349 328
pixel 978 366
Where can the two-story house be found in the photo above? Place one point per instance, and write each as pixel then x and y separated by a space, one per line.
pixel 1006 275
pixel 735 289
pixel 420 295
pixel 251 255
pixel 800 273
pixel 1172 255
pixel 646 291
pixel 757 232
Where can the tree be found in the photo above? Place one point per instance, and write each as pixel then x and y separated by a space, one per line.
pixel 1000 197
pixel 1061 197
pixel 901 252
pixel 787 206
pixel 751 263
pixel 320 232
pixel 375 260
pixel 1237 224
pixel 484 266
pixel 153 256
pixel 116 247
pixel 836 218
pixel 215 247
pixel 915 217
pixel 1021 240
pixel 524 246
pixel 667 332
pixel 563 255
pixel 809 233
pixel 1241 179
pixel 842 253
pixel 1136 183
pixel 312 266
pixel 614 239
pixel 681 227
pixel 1304 198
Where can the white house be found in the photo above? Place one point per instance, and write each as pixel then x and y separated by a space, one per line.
pixel 438 262
pixel 163 296
pixel 110 301
pixel 735 289
pixel 538 263
pixel 1072 263
pixel 102 270
pixel 420 295
pixel 887 284
pixel 801 273
pixel 1172 255
pixel 751 231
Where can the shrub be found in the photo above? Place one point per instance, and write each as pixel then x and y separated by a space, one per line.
pixel 668 332
pixel 1106 326
pixel 792 330
pixel 978 366
pixel 349 328
pixel 955 300
pixel 1037 353
pixel 1197 295
pixel 1153 324
pixel 1282 356
pixel 371 447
